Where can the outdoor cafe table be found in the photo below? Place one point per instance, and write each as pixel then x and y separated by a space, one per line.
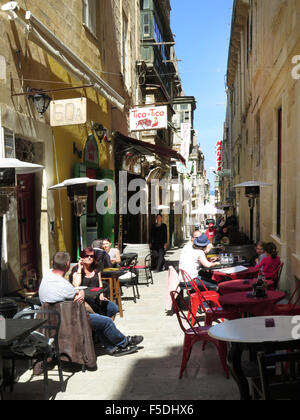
pixel 249 273
pixel 17 329
pixel 253 335
pixel 233 286
pixel 242 302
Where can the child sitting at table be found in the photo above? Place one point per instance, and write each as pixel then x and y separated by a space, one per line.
pixel 270 264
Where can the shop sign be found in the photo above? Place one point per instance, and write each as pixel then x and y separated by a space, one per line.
pixel 68 112
pixel 155 118
pixel 182 169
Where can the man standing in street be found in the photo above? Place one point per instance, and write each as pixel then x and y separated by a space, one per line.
pixel 158 242
pixel 55 288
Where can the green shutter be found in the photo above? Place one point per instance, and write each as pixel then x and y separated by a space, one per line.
pixel 79 172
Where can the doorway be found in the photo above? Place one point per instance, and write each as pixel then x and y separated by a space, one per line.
pixel 26 222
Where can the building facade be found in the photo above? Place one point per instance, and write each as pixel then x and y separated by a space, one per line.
pixel 87 50
pixel 262 129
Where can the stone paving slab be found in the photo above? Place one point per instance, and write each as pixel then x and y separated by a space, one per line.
pixel 152 372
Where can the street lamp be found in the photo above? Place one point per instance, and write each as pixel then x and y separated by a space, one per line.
pixel 252 191
pixel 40 100
pixel 9 168
pixel 77 190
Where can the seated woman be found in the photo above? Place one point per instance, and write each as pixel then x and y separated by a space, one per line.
pixel 271 262
pixel 88 273
pixel 114 253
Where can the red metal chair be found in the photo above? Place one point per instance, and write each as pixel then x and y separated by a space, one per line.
pixel 196 298
pixel 194 334
pixel 288 308
pixel 275 276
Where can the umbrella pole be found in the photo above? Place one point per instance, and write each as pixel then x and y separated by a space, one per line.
pixel 1 243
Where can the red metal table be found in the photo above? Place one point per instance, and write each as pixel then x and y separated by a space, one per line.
pixel 243 303
pixel 235 286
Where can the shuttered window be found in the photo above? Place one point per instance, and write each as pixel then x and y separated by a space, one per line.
pixel 9 144
pixel 89 16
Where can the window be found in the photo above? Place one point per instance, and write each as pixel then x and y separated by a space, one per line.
pixel 144 4
pixel 186 116
pixel 125 51
pixel 89 16
pixel 9 144
pixel 146 24
pixel 257 141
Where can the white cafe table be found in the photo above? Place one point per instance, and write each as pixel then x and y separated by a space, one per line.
pixel 253 335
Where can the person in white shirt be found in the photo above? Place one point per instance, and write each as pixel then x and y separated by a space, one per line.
pixel 194 258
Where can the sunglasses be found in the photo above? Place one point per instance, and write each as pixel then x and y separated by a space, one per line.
pixel 89 256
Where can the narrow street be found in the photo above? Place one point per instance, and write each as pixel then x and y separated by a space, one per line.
pixel 152 372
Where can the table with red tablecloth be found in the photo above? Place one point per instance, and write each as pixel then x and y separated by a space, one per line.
pixel 243 303
pixel 250 273
pixel 234 286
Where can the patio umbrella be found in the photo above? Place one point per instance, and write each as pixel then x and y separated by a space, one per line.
pixel 208 209
pixel 77 189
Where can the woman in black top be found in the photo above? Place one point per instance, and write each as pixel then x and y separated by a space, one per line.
pixel 88 273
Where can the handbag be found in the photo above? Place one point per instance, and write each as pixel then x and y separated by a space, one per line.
pixel 98 306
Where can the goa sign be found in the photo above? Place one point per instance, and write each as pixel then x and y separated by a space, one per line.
pixel 155 118
pixel 68 112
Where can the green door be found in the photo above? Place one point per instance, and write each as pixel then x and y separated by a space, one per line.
pixel 106 221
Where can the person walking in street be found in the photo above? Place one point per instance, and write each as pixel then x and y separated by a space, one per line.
pixel 158 242
pixel 55 288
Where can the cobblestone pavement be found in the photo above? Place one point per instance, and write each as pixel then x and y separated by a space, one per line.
pixel 152 372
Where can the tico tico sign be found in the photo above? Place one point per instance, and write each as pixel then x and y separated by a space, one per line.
pixel 155 118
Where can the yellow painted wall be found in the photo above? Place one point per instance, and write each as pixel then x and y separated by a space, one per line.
pixel 64 159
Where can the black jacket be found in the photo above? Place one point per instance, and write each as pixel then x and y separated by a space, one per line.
pixel 158 234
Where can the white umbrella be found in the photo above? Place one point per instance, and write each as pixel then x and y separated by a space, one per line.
pixel 20 166
pixel 208 209
pixel 79 204
pixel 252 184
pixel 76 181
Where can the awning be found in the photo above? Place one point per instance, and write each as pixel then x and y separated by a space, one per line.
pixel 46 39
pixel 144 148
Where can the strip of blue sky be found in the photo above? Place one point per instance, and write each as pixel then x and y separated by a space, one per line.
pixel 202 30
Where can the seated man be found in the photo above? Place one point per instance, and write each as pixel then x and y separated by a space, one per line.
pixel 101 255
pixel 192 262
pixel 55 288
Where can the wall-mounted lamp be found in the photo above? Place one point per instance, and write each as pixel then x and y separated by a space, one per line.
pixel 100 130
pixel 40 100
pixel 76 151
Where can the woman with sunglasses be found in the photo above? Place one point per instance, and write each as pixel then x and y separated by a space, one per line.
pixel 88 273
